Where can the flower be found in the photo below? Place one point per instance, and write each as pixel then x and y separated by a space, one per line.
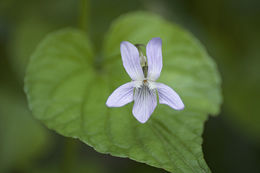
pixel 143 89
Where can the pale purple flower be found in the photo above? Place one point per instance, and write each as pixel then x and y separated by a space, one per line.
pixel 143 89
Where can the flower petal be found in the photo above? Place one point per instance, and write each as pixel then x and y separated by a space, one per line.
pixel 169 97
pixel 131 60
pixel 145 102
pixel 154 58
pixel 121 96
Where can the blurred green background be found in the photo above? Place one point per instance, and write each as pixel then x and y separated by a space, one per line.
pixel 229 29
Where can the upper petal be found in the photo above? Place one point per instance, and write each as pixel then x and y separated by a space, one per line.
pixel 131 60
pixel 169 97
pixel 154 58
pixel 145 102
pixel 121 96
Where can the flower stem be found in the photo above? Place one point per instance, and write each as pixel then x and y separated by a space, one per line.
pixel 70 155
pixel 84 12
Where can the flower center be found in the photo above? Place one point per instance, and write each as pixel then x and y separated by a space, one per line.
pixel 147 83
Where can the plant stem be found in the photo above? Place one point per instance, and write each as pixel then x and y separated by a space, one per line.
pixel 70 155
pixel 84 12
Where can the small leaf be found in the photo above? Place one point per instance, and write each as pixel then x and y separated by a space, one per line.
pixel 67 89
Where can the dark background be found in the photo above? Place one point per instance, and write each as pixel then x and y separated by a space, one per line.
pixel 230 31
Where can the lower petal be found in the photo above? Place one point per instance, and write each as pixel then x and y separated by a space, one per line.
pixel 121 96
pixel 145 102
pixel 169 97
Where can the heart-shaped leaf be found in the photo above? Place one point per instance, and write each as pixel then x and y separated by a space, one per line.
pixel 67 86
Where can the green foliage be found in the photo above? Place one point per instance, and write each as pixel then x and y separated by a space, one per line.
pixel 24 40
pixel 22 138
pixel 67 85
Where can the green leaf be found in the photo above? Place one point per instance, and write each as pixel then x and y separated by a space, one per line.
pixel 67 86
